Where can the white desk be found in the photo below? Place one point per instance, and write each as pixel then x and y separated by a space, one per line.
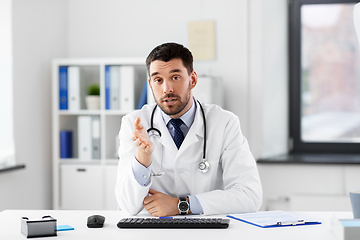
pixel 10 223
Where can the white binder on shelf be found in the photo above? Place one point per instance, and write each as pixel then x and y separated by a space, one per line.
pixel 127 79
pixel 74 88
pixel 114 87
pixel 150 96
pixel 95 131
pixel 117 145
pixel 84 138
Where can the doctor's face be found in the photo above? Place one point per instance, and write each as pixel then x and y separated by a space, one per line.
pixel 171 86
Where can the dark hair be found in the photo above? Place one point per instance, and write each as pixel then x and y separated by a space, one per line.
pixel 168 51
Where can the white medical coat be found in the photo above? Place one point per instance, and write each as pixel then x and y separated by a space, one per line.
pixel 232 184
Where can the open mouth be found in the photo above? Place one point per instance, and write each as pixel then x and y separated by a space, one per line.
pixel 170 101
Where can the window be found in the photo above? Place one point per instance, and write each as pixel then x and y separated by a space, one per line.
pixel 324 77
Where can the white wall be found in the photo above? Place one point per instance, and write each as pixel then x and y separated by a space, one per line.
pixel 39 33
pixel 7 147
pixel 113 28
pixel 320 187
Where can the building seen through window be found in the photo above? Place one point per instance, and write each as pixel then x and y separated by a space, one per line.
pixel 330 74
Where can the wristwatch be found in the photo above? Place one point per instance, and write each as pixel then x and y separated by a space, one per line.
pixel 183 206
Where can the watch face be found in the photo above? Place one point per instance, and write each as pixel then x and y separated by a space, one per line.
pixel 183 206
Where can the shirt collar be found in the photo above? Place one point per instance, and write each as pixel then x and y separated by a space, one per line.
pixel 187 118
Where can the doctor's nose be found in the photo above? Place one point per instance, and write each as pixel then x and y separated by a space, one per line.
pixel 167 88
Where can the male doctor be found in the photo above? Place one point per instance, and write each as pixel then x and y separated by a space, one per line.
pixel 163 170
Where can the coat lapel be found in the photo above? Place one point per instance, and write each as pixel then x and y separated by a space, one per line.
pixel 195 134
pixel 165 139
pixel 196 131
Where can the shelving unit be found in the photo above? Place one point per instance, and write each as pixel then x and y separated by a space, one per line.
pixel 88 184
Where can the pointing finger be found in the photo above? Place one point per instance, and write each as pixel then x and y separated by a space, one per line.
pixel 137 124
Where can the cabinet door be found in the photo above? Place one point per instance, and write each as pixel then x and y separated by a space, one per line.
pixel 81 187
pixel 110 181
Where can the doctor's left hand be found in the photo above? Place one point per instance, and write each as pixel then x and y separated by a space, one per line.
pixel 160 204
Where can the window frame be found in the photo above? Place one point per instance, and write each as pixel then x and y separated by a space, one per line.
pixel 296 144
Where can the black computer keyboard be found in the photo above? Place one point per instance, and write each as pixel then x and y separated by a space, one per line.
pixel 174 223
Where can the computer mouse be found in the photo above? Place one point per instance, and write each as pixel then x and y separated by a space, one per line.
pixel 95 221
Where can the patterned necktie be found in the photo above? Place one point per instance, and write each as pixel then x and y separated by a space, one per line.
pixel 179 135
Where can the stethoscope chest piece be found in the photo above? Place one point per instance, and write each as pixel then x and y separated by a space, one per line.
pixel 204 166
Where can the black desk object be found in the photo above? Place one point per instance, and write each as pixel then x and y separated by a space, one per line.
pixel 174 223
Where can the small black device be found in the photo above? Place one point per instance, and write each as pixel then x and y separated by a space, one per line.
pixel 173 223
pixel 95 221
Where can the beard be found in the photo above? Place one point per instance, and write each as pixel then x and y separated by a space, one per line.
pixel 176 108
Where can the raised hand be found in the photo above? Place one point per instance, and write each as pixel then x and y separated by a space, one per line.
pixel 144 146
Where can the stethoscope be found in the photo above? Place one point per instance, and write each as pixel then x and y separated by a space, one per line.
pixel 203 165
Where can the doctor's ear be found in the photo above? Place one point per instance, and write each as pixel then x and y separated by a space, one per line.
pixel 149 82
pixel 193 79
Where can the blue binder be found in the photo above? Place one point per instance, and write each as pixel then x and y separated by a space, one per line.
pixel 143 96
pixel 107 87
pixel 63 88
pixel 66 144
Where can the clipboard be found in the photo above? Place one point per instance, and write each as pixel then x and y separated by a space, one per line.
pixel 271 219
